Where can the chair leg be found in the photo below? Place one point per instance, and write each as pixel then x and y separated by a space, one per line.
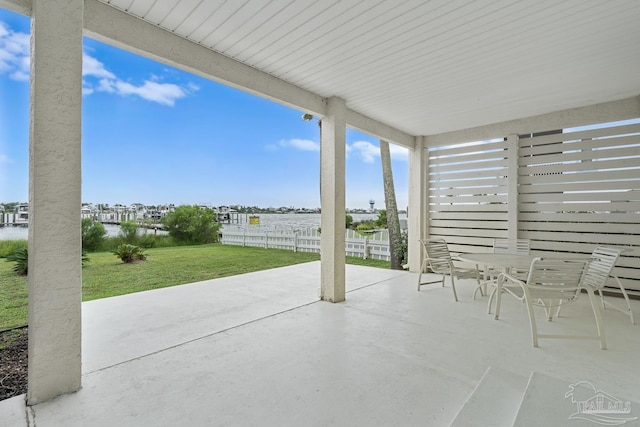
pixel 626 299
pixel 598 316
pixel 453 286
pixel 532 320
pixel 481 286
pixel 422 268
pixel 547 309
pixel 628 311
pixel 498 291
pixel 559 307
pixel 603 305
pixel 492 295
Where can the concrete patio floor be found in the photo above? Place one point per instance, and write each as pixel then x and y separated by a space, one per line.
pixel 260 350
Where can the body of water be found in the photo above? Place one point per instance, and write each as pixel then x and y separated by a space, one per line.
pixel 268 222
pixel 291 221
pixel 16 233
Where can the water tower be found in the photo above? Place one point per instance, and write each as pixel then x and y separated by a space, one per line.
pixel 371 203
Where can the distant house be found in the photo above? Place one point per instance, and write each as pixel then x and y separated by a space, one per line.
pixel 22 214
pixel 87 211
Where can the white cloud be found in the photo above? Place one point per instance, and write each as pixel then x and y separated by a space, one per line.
pixel 14 53
pixel 297 144
pixel 4 159
pixel 14 61
pixel 92 67
pixel 365 150
pixel 162 93
pixel 368 152
pixel 151 89
pixel 19 75
pixel 106 85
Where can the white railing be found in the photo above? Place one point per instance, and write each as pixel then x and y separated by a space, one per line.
pixel 372 246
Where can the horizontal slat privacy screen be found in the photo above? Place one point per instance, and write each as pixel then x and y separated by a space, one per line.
pixel 576 189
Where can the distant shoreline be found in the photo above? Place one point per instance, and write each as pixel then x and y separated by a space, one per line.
pixel 268 221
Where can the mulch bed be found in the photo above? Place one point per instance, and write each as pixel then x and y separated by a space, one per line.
pixel 13 363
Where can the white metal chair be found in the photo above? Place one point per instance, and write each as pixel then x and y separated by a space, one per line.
pixel 551 283
pixel 503 246
pixel 438 259
pixel 511 246
pixel 602 261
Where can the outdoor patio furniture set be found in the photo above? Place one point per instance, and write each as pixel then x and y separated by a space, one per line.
pixel 549 282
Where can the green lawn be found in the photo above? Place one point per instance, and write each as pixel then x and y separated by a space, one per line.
pixel 105 275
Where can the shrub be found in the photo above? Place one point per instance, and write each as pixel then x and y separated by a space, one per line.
pixel 93 234
pixel 130 253
pixel 401 249
pixel 192 225
pixel 129 231
pixel 21 258
pixel 366 226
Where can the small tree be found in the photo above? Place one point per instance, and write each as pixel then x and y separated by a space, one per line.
pixel 192 225
pixel 129 231
pixel 93 234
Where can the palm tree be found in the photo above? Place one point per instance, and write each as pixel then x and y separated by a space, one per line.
pixel 393 222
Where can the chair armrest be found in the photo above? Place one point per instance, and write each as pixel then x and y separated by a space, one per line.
pixel 512 285
pixel 507 277
pixel 438 259
pixel 509 280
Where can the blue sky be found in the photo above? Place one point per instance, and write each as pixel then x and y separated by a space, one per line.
pixel 154 134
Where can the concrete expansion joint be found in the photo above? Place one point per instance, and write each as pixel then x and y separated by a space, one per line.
pixel 222 331
pixel 374 284
pixel 30 414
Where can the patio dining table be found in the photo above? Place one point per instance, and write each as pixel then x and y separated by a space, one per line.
pixel 503 261
pixel 508 262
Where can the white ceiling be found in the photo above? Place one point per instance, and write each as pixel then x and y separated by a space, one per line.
pixel 424 67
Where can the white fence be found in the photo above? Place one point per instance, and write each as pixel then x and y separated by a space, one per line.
pixel 373 246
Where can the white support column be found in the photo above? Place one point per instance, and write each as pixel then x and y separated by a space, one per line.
pixel 418 212
pixel 55 242
pixel 512 186
pixel 332 200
